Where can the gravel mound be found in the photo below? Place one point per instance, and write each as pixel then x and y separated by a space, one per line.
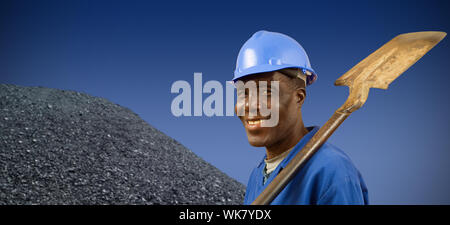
pixel 65 147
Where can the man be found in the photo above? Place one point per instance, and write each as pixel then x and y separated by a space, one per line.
pixel 329 177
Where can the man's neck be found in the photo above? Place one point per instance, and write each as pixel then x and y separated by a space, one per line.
pixel 287 143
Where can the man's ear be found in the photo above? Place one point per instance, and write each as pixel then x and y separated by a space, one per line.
pixel 300 94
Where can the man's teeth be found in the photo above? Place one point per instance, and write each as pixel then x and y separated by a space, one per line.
pixel 254 122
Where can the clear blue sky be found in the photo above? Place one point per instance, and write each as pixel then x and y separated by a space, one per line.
pixel 131 52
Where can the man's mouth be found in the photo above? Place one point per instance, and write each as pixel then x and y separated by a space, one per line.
pixel 255 122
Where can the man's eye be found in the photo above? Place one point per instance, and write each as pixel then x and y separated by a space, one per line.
pixel 266 92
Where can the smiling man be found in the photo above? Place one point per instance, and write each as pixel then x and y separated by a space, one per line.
pixel 271 76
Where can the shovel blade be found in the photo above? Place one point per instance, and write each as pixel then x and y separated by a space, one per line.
pixel 387 63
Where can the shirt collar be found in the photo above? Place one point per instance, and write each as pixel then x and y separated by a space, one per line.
pixel 312 130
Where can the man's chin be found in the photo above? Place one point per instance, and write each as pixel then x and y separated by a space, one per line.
pixel 256 144
pixel 257 141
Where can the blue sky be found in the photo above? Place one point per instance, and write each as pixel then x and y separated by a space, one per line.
pixel 130 52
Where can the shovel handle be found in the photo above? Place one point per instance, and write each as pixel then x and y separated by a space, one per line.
pixel 283 178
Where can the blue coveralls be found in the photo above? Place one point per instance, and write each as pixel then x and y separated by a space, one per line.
pixel 329 177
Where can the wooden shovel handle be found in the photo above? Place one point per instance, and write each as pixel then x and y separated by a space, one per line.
pixel 283 178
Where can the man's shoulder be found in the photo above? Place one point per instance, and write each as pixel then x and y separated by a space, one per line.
pixel 336 177
pixel 330 160
pixel 332 154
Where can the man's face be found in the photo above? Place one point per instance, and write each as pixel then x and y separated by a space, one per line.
pixel 288 109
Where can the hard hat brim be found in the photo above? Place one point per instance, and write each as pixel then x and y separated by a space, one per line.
pixel 270 68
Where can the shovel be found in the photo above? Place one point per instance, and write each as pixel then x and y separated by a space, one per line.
pixel 378 70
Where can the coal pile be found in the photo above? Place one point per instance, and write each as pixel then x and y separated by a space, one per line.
pixel 65 147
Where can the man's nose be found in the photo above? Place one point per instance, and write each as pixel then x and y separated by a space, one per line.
pixel 251 105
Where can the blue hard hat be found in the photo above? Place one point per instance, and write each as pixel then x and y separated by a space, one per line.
pixel 270 51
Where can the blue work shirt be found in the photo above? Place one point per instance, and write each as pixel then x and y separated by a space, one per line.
pixel 328 178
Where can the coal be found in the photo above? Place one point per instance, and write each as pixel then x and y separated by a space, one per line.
pixel 66 147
